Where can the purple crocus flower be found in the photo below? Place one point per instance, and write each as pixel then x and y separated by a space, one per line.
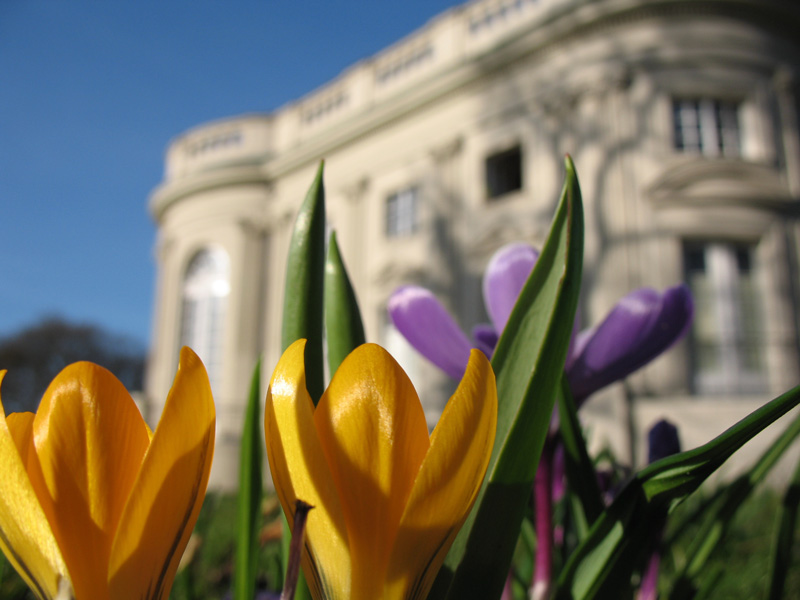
pixel 662 441
pixel 639 328
pixel 429 327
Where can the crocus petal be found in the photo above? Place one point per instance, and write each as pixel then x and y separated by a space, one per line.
pixel 163 507
pixel 447 483
pixel 485 337
pixel 505 276
pixel 639 328
pixel 21 427
pixel 427 326
pixel 90 439
pixel 300 471
pixel 25 534
pixel 662 441
pixel 373 432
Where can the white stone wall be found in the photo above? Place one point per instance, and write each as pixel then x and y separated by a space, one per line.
pixel 593 79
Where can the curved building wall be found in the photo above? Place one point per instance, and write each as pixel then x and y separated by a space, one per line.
pixel 681 118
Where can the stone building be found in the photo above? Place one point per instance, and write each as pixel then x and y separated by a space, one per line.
pixel 681 117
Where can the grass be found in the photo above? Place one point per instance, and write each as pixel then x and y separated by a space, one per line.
pixel 740 568
pixel 209 574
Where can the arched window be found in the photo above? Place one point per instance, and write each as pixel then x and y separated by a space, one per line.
pixel 402 351
pixel 206 286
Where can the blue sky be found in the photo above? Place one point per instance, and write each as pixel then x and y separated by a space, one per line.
pixel 92 91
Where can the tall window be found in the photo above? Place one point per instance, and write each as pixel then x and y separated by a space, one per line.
pixel 727 340
pixel 402 351
pixel 206 286
pixel 706 126
pixel 504 172
pixel 402 213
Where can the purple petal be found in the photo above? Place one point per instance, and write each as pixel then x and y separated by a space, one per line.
pixel 639 328
pixel 504 279
pixel 427 326
pixel 485 337
pixel 662 441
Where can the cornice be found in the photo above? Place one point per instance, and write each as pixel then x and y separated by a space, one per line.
pixel 567 22
pixel 170 192
pixel 722 182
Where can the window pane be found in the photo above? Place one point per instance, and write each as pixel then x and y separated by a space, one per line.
pixel 706 126
pixel 687 125
pixel 727 347
pixel 504 172
pixel 402 213
pixel 205 291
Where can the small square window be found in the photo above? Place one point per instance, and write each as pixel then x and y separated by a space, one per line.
pixel 504 172
pixel 402 216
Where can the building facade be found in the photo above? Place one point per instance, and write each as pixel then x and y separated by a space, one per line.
pixel 681 117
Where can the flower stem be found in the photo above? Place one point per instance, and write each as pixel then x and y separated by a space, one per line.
pixel 649 586
pixel 295 550
pixel 543 507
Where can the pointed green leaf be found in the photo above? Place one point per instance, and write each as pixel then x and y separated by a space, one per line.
pixel 305 273
pixel 624 526
pixel 250 493
pixel 343 327
pixel 528 362
pixel 303 303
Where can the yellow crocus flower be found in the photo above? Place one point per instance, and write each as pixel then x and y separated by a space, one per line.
pixel 388 498
pixel 93 505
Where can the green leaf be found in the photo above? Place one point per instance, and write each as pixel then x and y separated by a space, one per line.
pixel 343 327
pixel 303 304
pixel 718 519
pixel 691 517
pixel 250 493
pixel 305 276
pixel 625 526
pixel 675 477
pixel 716 573
pixel 581 474
pixel 781 557
pixel 528 362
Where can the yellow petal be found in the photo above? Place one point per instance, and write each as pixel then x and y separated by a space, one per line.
pixel 447 484
pixel 21 427
pixel 374 435
pixel 90 439
pixel 300 471
pixel 165 502
pixel 25 535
